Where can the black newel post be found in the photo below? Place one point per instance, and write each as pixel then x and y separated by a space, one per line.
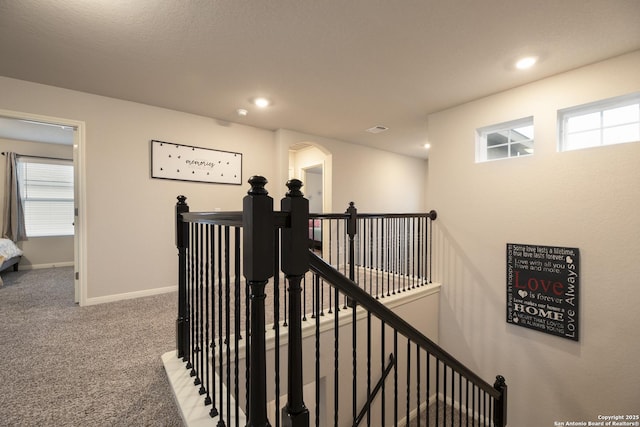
pixel 500 412
pixel 258 256
pixel 295 263
pixel 182 242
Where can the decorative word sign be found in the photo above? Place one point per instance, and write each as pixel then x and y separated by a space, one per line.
pixel 543 286
pixel 186 163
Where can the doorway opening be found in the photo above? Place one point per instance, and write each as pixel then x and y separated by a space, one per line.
pixel 313 181
pixel 46 140
pixel 312 166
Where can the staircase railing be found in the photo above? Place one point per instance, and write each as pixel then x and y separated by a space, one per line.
pixel 458 393
pixel 221 332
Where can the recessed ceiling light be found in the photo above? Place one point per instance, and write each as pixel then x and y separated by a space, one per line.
pixel 427 145
pixel 261 102
pixel 242 112
pixel 527 62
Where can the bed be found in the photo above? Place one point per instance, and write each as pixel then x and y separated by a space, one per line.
pixel 10 256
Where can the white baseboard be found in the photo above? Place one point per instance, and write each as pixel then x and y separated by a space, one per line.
pixel 130 295
pixel 41 266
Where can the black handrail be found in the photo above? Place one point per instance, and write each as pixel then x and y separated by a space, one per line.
pixel 229 219
pixel 353 291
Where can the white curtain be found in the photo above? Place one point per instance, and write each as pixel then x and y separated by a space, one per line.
pixel 13 220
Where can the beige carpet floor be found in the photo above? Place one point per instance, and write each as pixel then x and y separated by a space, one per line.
pixel 65 365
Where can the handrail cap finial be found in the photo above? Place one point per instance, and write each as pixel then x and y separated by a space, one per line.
pixel 294 185
pixel 257 186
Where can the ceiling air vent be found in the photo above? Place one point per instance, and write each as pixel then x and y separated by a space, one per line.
pixel 377 129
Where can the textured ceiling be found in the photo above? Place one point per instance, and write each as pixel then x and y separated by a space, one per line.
pixel 332 68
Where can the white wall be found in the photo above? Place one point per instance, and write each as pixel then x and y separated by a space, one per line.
pixel 39 251
pixel 130 216
pixel 587 199
pixel 376 180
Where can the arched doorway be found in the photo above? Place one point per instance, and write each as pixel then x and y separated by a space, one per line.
pixel 311 164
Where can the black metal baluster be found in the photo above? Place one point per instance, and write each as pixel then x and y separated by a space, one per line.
pixel 247 328
pixel 437 390
pixel 315 296
pixel 316 290
pixel 276 320
pixel 444 393
pixel 466 400
pixel 394 253
pixel 375 255
pixel 408 381
pixel 354 355
pixel 336 376
pixel 236 318
pixel 420 275
pixel 473 403
pixel 418 382
pixel 382 369
pixel 388 251
pixel 190 299
pixel 368 366
pixel 371 243
pixel 487 413
pixel 304 299
pixel 192 362
pixel 360 249
pixel 395 380
pixel 213 412
pixel 201 338
pixel 405 254
pixel 330 260
pixel 453 394
pixel 414 237
pixel 198 308
pixel 207 287
pixel 227 335
pixel 223 256
pixel 429 388
pixel 460 399
pixel 321 297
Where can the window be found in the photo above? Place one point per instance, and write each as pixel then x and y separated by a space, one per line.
pixel 46 188
pixel 505 140
pixel 612 121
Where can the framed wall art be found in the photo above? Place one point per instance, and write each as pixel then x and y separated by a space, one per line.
pixel 187 163
pixel 543 289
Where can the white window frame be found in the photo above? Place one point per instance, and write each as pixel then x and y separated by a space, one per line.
pixel 600 106
pixel 482 147
pixel 58 230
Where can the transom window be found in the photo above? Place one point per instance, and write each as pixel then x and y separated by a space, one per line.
pixel 46 188
pixel 505 140
pixel 607 122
